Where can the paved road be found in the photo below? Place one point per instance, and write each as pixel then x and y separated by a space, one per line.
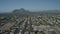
pixel 26 26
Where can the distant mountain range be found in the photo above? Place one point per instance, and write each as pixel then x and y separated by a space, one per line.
pixel 23 11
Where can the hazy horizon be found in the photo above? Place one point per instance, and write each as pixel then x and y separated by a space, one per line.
pixel 33 5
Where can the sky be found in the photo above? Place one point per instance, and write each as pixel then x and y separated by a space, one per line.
pixel 33 5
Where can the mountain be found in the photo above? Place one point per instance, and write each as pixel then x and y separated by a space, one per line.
pixel 22 10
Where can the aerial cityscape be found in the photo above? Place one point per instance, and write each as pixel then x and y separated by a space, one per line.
pixel 22 22
pixel 29 17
